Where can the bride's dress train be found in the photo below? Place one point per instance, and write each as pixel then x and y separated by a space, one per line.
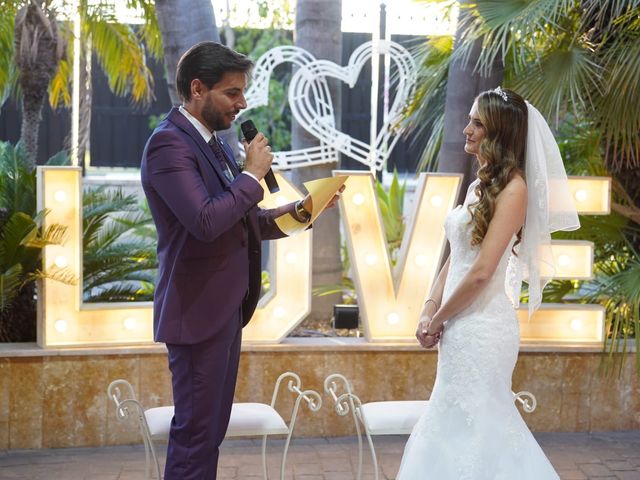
pixel 471 428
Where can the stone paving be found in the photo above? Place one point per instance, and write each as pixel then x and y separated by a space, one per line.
pixel 576 456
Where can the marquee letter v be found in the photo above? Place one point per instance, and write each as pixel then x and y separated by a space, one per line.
pixel 390 302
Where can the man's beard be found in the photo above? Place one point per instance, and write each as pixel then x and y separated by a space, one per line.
pixel 213 117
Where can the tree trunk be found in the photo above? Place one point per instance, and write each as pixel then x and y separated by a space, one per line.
pixel 30 127
pixel 38 50
pixel 463 85
pixel 183 23
pixel 318 30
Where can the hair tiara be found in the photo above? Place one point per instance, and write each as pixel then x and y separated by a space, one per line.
pixel 501 92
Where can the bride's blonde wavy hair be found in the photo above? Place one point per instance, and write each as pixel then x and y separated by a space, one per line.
pixel 503 114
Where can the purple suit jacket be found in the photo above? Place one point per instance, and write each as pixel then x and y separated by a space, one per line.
pixel 209 234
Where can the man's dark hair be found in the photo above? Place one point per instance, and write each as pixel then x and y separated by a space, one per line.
pixel 208 62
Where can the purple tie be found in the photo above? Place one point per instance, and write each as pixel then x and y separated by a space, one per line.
pixel 222 158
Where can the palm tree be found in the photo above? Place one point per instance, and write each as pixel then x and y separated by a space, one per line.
pixel 38 50
pixel 580 57
pixel 318 30
pixel 119 49
pixel 119 247
pixel 577 58
pixel 21 244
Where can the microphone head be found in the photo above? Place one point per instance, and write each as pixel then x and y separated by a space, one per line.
pixel 249 130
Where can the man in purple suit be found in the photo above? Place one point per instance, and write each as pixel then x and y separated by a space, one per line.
pixel 209 234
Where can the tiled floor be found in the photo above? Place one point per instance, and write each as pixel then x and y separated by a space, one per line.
pixel 576 456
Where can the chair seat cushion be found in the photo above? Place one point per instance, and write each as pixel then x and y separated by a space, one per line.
pixel 246 419
pixel 159 421
pixel 392 417
pixel 255 419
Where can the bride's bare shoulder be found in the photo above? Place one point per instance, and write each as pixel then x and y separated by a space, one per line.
pixel 514 191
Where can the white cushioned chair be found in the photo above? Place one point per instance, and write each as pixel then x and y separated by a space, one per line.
pixel 247 419
pixel 397 417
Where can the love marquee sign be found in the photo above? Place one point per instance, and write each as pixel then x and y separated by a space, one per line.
pixel 390 300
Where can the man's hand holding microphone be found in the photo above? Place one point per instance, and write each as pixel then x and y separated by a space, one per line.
pixel 258 163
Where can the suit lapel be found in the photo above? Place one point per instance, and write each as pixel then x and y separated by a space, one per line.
pixel 180 121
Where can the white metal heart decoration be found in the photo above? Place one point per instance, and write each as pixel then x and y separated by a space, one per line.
pixel 257 95
pixel 319 121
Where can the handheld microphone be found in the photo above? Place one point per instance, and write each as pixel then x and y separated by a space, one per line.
pixel 249 131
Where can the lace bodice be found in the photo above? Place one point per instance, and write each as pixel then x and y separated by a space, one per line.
pixel 458 229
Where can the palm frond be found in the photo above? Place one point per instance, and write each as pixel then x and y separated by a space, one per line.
pixel 346 287
pixel 150 30
pixel 563 79
pixel 424 114
pixel 59 87
pixel 55 234
pixel 10 282
pixel 64 275
pixel 119 262
pixel 429 158
pixel 602 14
pixel 501 27
pixel 18 182
pixel 17 231
pixel 60 159
pixel 121 57
pixel 579 141
pixel 604 231
pixel 617 112
pixel 6 49
pixel 118 293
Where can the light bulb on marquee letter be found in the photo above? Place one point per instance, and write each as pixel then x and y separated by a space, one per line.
pixel 61 326
pixel 291 257
pixel 61 261
pixel 576 324
pixel 370 259
pixel 60 196
pixel 393 318
pixel 564 260
pixel 358 199
pixel 581 195
pixel 421 260
pixel 129 323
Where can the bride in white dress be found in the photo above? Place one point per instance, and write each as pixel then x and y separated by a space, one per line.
pixel 471 428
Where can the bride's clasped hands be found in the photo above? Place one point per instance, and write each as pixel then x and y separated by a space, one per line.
pixel 428 332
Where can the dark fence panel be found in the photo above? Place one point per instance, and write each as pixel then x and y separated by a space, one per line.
pixel 356 108
pixel 119 130
pixel 54 127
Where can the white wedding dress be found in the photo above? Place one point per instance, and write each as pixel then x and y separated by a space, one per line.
pixel 471 428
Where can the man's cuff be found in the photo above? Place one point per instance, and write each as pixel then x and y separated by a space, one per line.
pixel 244 172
